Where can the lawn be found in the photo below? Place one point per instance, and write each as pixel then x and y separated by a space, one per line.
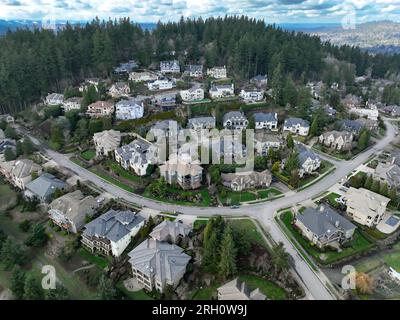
pixel 233 197
pixel 271 290
pixel 268 193
pixel 99 261
pixel 7 196
pixel 249 230
pixel 118 170
pixel 357 245
pixel 206 293
pixel 199 223
pixel 138 295
pixel 112 180
pixel 88 155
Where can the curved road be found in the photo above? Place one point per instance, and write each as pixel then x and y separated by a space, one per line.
pixel 264 212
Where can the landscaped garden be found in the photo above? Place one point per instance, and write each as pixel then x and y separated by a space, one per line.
pixel 229 197
pixel 88 155
pixel 358 244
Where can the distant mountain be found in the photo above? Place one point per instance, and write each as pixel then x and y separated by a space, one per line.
pixel 376 37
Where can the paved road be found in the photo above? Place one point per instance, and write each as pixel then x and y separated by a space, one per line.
pixel 264 212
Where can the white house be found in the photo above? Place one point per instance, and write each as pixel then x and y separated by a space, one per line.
pixel 170 66
pixel 222 91
pixel 194 70
pixel 162 83
pixel 129 109
pixel 119 89
pixel 252 95
pixel 297 126
pixel 263 141
pixel 111 233
pixel 309 162
pixel 54 99
pixel 73 103
pixel 268 121
pixel 235 120
pixel 217 72
pixel 201 123
pixel 192 94
pixel 371 114
pixel 144 76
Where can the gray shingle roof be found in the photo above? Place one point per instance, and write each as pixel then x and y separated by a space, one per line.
pixel 295 121
pixel 265 117
pixel 45 185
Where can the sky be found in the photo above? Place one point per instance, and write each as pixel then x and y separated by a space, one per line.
pixel 272 11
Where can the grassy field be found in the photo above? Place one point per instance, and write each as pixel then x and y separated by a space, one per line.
pixel 118 170
pixel 232 197
pixel 99 261
pixel 249 230
pixel 138 295
pixel 112 180
pixel 88 155
pixel 271 290
pixel 357 245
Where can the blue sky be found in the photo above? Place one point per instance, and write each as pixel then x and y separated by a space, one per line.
pixel 273 11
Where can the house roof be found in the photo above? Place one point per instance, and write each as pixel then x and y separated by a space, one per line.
pixel 324 221
pixel 113 225
pixel 366 202
pixel 128 103
pixel 336 134
pixel 305 154
pixel 21 168
pixel 259 78
pixel 351 125
pixel 194 68
pixel 110 139
pixel 234 115
pixel 101 104
pixel 202 121
pixel 265 117
pixel 182 168
pixel 45 185
pixel 290 122
pixel 170 228
pixel 388 172
pixel 248 179
pixel 164 261
pixel 138 151
pixel 238 290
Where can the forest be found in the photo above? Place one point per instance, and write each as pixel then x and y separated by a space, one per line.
pixel 35 62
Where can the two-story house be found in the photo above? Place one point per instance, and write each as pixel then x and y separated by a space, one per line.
pixel 170 66
pixel 119 89
pixel 268 121
pixel 338 140
pixel 192 94
pixel 194 70
pixel 235 120
pixel 222 91
pixel 129 109
pixel 297 126
pixel 100 109
pixel 217 72
pixel 106 142
pixel 19 172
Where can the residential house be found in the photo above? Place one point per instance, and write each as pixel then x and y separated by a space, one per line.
pixel 222 91
pixel 238 290
pixel 126 67
pixel 7 118
pixel 351 126
pixel 240 181
pixel 129 109
pixel 165 101
pixel 370 125
pixel 324 227
pixel 170 231
pixel 192 94
pixel 54 99
pixel 19 172
pixel 297 126
pixel 156 264
pixel 201 123
pixel 162 83
pixel 330 111
pixel 365 207
pixel 316 89
pixel 111 233
pixel 339 140
pixel 70 210
pixel 371 114
pixel 392 110
pixel 44 187
pixel 194 70
pixel 170 66
pixel 106 142
pixel 144 76
pixel 228 147
pixel 95 82
pixel 186 174
pixel 260 81
pixel 73 103
pixel 235 120
pixel 309 161
pixel 351 101
pixel 100 109
pixel 138 155
pixel 268 121
pixel 389 173
pixel 217 72
pixel 252 95
pixel 263 141
pixel 168 128
pixel 119 89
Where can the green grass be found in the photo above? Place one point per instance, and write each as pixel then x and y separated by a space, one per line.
pixel 199 223
pixel 123 173
pixel 249 230
pixel 233 197
pixel 268 193
pixel 270 289
pixel 101 262
pixel 393 260
pixel 88 155
pixel 112 180
pixel 138 295
pixel 206 293
pixel 7 196
pixel 357 245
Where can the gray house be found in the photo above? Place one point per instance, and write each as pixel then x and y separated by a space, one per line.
pixel 43 187
pixel 324 227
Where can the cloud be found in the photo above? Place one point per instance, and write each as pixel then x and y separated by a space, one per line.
pixel 272 11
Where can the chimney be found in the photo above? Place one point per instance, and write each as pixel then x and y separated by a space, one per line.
pixel 337 223
pixel 321 209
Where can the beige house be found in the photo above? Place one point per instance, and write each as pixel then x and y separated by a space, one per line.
pixel 187 175
pixel 366 207
pixel 247 180
pixel 119 89
pixel 100 109
pixel 238 290
pixel 70 210
pixel 106 142
pixel 170 230
pixel 19 172
pixel 337 140
pixel 157 264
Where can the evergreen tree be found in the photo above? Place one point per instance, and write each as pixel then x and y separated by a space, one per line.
pixel 393 195
pixel 18 148
pixel 363 140
pixel 375 186
pixel 314 129
pixel 292 162
pixel 280 258
pixel 10 133
pixel 227 264
pixel 384 189
pixel 290 141
pixel 210 256
pixel 106 289
pixel 32 289
pixel 37 236
pixel 60 293
pixel 368 182
pixel 27 146
pixel 12 254
pixel 9 154
pixel 17 283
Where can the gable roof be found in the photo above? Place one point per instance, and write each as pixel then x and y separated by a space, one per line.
pixel 265 117
pixel 170 228
pixel 238 290
pixel 290 122
pixel 45 185
pixel 234 115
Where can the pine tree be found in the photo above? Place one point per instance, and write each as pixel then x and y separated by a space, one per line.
pixel 314 127
pixel 375 186
pixel 393 195
pixel 290 141
pixel 210 257
pixel 280 258
pixel 17 282
pixel 106 289
pixel 227 264
pixel 37 236
pixel 9 154
pixel 368 182
pixel 32 289
pixel 292 162
pixel 384 189
pixel 363 140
